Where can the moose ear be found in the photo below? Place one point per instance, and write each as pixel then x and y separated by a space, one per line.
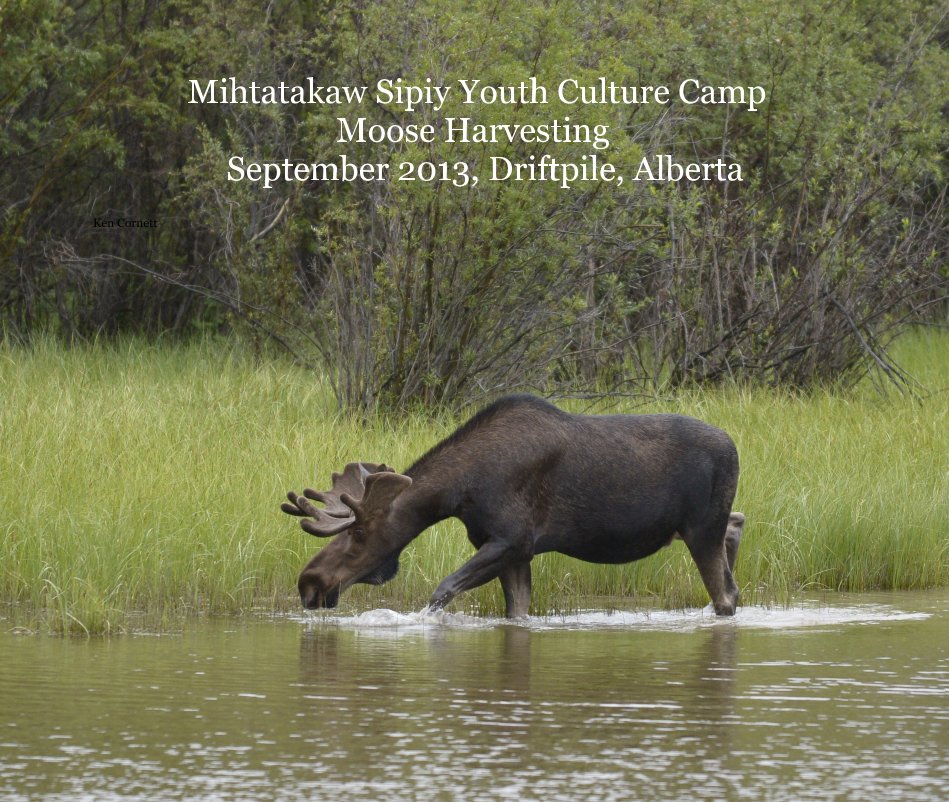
pixel 382 489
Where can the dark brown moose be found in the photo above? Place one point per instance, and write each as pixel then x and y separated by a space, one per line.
pixel 526 478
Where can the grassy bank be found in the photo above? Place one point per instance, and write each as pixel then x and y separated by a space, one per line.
pixel 141 483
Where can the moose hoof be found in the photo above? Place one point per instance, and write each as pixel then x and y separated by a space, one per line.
pixel 437 603
pixel 725 609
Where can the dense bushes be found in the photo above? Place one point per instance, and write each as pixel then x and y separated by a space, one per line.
pixel 409 292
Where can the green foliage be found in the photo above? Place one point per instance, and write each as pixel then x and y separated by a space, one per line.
pixel 408 293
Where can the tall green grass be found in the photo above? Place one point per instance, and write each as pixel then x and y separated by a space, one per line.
pixel 140 484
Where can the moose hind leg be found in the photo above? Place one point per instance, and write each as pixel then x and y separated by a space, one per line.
pixel 736 522
pixel 516 583
pixel 708 551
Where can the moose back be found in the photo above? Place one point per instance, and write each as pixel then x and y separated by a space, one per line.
pixel 527 478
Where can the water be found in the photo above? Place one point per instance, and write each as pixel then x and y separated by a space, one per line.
pixel 835 700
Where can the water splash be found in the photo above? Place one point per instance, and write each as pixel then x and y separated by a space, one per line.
pixel 808 615
pixel 424 619
pixel 745 618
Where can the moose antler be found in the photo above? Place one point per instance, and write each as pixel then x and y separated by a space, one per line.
pixel 337 514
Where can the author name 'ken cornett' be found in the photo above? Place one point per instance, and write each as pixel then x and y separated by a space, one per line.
pixel 123 222
pixel 661 167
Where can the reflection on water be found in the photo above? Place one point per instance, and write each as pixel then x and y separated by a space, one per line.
pixel 847 701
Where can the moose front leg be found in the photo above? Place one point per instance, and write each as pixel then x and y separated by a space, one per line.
pixel 516 583
pixel 493 559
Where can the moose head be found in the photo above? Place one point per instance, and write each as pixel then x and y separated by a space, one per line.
pixel 358 511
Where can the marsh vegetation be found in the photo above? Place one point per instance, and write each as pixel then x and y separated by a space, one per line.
pixel 140 484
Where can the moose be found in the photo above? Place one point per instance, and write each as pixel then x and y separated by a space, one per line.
pixel 526 478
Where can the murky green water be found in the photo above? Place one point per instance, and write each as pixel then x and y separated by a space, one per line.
pixel 847 700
